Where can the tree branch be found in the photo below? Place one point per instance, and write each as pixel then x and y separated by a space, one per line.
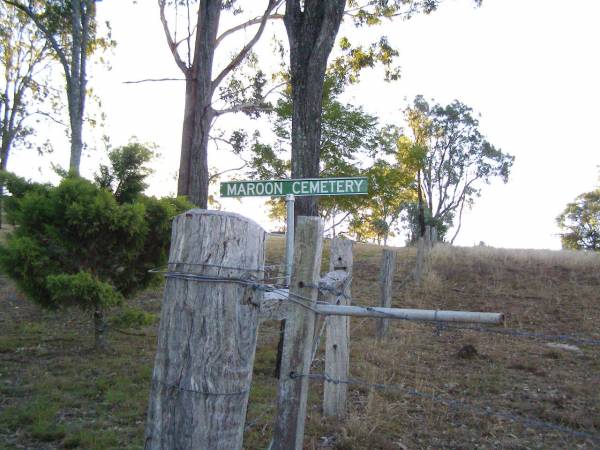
pixel 51 117
pixel 33 16
pixel 245 25
pixel 242 54
pixel 243 107
pixel 337 223
pixel 218 174
pixel 146 80
pixel 250 106
pixel 170 41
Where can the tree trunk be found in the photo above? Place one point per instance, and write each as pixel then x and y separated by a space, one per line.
pixel 3 162
pixel 187 135
pixel 311 32
pixel 81 13
pixel 421 218
pixel 76 122
pixel 199 114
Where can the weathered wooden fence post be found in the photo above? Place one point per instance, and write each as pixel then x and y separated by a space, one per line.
pixel 418 272
pixel 388 268
pixel 299 330
pixel 207 334
pixel 434 236
pixel 428 236
pixel 337 332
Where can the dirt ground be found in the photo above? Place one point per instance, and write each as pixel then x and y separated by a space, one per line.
pixel 477 389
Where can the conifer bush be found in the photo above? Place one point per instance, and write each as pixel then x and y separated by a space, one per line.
pixel 75 245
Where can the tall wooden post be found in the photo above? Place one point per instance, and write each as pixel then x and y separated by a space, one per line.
pixel 388 268
pixel 296 355
pixel 207 334
pixel 337 341
pixel 418 272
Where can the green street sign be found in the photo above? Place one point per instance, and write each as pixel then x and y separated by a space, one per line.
pixel 301 187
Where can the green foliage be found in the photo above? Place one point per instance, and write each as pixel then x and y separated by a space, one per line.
pixel 133 318
pixel 24 83
pixel 81 289
pixel 74 244
pixel 127 173
pixel 390 191
pixel 411 216
pixel 453 157
pixel 349 137
pixel 580 222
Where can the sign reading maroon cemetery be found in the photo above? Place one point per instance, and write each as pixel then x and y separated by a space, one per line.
pixel 300 187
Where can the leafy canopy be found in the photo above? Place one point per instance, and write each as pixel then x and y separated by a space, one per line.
pixel 580 222
pixel 456 158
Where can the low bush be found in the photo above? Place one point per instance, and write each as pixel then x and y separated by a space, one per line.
pixel 76 244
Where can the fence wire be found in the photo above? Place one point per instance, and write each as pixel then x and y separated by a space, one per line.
pixel 456 404
pixel 306 302
pixel 521 333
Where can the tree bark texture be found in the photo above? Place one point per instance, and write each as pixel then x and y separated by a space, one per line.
pixel 386 278
pixel 337 340
pixel 198 112
pixel 207 333
pixel 82 11
pixel 311 33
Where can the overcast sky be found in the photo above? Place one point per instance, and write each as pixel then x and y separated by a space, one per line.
pixel 529 67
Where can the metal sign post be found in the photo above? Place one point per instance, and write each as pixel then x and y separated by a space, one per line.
pixel 292 189
pixel 289 238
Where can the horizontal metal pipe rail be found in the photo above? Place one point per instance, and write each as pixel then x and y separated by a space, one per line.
pixel 410 314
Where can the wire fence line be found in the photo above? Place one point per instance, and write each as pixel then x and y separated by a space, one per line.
pixel 522 333
pixel 456 404
pixel 306 302
pixel 283 293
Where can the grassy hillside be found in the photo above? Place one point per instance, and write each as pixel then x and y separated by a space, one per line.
pixel 55 393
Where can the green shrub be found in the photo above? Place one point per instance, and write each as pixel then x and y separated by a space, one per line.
pixel 133 318
pixel 76 245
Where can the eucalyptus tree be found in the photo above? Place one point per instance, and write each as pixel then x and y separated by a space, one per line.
pixel 457 159
pixel 69 28
pixel 194 54
pixel 312 27
pixel 580 222
pixel 349 141
pixel 24 58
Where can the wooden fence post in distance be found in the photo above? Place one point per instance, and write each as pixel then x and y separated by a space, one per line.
pixel 299 330
pixel 207 334
pixel 388 268
pixel 337 341
pixel 418 271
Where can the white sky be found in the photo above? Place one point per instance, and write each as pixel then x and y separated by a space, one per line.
pixel 531 68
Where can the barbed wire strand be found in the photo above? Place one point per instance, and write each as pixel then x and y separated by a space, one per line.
pixel 441 326
pixel 306 302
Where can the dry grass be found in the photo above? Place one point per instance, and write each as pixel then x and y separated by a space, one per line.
pixel 55 394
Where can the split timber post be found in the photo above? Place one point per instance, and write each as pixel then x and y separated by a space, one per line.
pixel 296 355
pixel 434 237
pixel 418 272
pixel 337 332
pixel 388 268
pixel 207 334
